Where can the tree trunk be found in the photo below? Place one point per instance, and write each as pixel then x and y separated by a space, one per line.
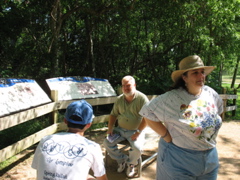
pixel 220 74
pixel 55 24
pixel 235 73
pixel 90 54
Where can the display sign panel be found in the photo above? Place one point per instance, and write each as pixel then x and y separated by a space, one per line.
pixel 20 94
pixel 78 87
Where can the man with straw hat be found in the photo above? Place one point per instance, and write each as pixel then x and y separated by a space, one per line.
pixel 188 120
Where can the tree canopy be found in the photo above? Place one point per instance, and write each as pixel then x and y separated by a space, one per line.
pixel 112 38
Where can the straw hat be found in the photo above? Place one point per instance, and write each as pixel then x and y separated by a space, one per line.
pixel 190 63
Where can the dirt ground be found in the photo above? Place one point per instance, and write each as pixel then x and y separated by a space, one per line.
pixel 228 149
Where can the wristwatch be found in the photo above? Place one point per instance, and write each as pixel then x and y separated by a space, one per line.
pixel 138 131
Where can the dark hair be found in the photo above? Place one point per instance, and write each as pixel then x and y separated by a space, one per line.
pixel 76 118
pixel 180 83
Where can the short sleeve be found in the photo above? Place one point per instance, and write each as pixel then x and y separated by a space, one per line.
pixel 219 103
pixel 149 109
pixel 218 100
pixel 98 164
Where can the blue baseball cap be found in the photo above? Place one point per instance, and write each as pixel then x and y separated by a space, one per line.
pixel 81 109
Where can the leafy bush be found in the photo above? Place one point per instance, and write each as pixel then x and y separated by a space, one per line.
pixel 12 135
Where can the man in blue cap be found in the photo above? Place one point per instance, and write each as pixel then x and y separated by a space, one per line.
pixel 69 155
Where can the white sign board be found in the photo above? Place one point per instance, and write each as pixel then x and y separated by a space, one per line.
pixel 77 87
pixel 20 94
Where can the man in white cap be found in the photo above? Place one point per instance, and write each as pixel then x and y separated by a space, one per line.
pixel 69 155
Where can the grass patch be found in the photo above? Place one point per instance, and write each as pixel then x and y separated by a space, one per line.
pixel 8 162
pixel 228 79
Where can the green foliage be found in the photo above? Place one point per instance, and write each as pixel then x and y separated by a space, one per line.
pixel 109 39
pixel 97 126
pixel 214 82
pixel 12 135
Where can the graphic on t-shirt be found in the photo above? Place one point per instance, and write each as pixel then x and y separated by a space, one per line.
pixel 201 118
pixel 64 148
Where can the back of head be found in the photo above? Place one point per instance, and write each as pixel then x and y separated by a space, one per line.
pixel 78 114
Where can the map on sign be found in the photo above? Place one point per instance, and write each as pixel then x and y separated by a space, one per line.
pixel 78 87
pixel 20 94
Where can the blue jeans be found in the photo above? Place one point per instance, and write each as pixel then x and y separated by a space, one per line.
pixel 175 163
pixel 134 152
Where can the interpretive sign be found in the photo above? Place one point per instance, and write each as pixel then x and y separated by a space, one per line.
pixel 20 94
pixel 78 87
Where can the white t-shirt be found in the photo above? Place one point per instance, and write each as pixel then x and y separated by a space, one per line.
pixel 67 156
pixel 192 121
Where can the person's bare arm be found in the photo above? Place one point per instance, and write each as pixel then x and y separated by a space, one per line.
pixel 141 127
pixel 111 124
pixel 104 177
pixel 143 124
pixel 159 128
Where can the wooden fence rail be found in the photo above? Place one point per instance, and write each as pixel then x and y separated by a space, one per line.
pixel 53 107
pixel 227 98
pixel 21 117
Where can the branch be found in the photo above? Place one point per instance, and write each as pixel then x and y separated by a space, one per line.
pixel 175 45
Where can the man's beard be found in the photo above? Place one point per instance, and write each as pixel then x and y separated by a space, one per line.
pixel 131 93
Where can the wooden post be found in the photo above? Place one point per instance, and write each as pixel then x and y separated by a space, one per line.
pixel 224 104
pixel 54 96
pixel 234 102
